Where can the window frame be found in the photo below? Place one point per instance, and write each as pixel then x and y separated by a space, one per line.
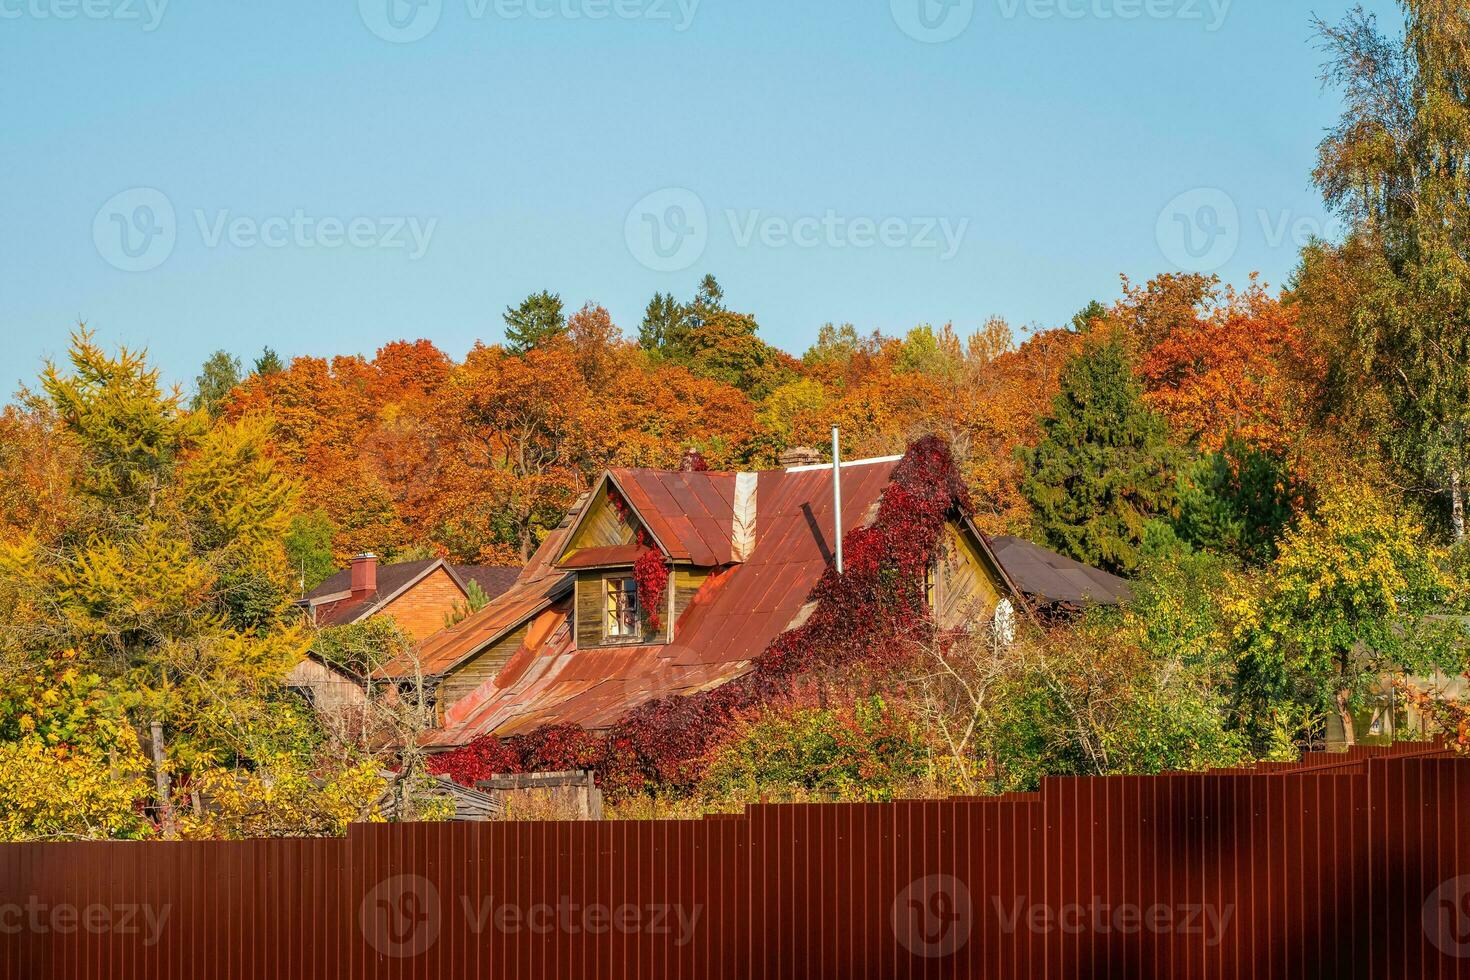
pixel 619 603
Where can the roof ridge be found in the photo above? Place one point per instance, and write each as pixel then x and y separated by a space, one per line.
pixel 868 461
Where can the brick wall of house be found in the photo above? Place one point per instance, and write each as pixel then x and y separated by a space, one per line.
pixel 420 611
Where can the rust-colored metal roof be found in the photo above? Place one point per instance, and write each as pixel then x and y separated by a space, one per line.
pixel 689 513
pixel 722 634
pixel 539 586
pixel 447 648
pixel 617 554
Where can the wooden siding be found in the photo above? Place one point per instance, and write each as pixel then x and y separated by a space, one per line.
pixel 600 528
pixel 592 611
pixel 420 611
pixel 966 587
pixel 330 691
pixel 480 668
pixel 686 583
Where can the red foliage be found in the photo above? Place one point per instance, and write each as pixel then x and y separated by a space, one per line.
pixel 652 576
pixel 862 618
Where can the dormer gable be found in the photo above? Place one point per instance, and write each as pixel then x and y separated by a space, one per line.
pixel 608 532
pixel 689 516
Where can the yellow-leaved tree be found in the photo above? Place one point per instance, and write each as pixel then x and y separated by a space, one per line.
pixel 174 598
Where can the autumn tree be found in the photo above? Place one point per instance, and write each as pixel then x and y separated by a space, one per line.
pixel 218 377
pixel 132 430
pixel 71 767
pixel 1224 368
pixel 175 599
pixel 1103 469
pixel 38 494
pixel 1350 597
pixel 1395 168
pixel 521 433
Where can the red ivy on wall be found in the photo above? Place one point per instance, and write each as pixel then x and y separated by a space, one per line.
pixel 652 576
pixel 865 616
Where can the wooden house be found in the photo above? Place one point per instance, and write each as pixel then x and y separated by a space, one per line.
pixel 568 643
pixel 419 595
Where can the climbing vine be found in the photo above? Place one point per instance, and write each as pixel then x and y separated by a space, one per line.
pixel 652 575
pixel 864 617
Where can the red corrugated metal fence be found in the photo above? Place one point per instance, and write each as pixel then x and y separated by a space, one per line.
pixel 1341 866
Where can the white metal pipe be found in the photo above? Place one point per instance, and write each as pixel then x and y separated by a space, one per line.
pixel 837 493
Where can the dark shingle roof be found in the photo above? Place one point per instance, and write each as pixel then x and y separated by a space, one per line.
pixel 494 579
pixel 1049 578
pixel 392 579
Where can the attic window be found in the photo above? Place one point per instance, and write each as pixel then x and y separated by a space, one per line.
pixel 622 608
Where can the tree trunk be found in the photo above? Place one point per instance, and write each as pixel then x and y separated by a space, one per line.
pixel 1457 505
pixel 161 784
pixel 1345 712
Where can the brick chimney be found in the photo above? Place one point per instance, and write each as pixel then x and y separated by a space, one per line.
pixel 364 574
pixel 799 456
pixel 693 462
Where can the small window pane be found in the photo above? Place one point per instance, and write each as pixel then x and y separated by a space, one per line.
pixel 622 608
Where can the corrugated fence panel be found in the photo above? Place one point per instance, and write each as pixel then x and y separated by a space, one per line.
pixel 1344 866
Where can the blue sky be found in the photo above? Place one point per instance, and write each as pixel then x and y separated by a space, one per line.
pixel 326 176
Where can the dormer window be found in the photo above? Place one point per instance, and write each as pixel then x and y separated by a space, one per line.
pixel 622 620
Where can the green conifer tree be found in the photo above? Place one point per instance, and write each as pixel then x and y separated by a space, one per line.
pixel 1102 471
pixel 538 319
